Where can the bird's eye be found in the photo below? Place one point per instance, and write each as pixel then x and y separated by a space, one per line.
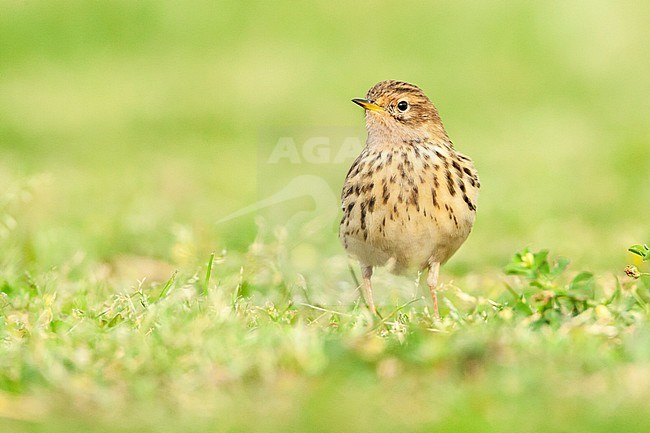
pixel 402 106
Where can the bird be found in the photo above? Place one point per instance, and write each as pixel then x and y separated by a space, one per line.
pixel 409 199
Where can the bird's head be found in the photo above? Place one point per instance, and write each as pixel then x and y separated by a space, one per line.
pixel 396 110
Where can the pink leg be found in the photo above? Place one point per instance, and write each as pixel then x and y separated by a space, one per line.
pixel 366 288
pixel 432 281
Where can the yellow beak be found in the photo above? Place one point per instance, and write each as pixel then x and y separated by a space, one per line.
pixel 367 105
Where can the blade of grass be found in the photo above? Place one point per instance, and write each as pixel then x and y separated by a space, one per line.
pixel 168 285
pixel 516 295
pixel 236 294
pixel 325 310
pixel 208 273
pixel 354 276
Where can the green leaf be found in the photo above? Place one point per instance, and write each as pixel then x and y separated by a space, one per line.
pixel 581 278
pixel 518 269
pixel 640 250
pixel 583 283
pixel 560 266
pixel 541 261
pixel 528 264
pixel 524 308
pixel 553 317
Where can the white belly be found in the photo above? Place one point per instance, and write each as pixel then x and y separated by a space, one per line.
pixel 408 220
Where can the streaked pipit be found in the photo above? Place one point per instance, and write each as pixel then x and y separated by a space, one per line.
pixel 409 199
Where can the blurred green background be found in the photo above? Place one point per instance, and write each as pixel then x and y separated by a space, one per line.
pixel 132 127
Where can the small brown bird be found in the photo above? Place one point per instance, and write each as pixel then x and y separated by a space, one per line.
pixel 409 199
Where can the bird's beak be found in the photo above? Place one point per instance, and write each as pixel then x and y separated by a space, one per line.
pixel 367 105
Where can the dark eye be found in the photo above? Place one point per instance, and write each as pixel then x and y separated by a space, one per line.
pixel 402 105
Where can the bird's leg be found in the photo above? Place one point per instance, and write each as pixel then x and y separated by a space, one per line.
pixel 432 281
pixel 366 288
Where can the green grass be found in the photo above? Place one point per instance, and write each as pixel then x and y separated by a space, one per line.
pixel 549 354
pixel 129 129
